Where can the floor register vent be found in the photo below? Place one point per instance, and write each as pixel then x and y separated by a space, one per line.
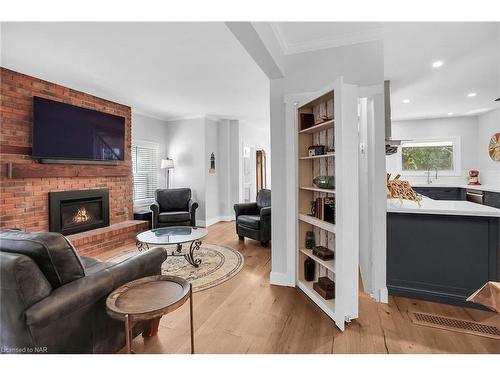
pixel 457 325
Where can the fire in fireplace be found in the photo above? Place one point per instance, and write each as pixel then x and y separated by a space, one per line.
pixel 79 210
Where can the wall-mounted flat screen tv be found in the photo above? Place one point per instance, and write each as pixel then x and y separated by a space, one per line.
pixel 67 132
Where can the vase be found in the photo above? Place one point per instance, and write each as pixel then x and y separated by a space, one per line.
pixel 309 266
pixel 324 182
pixel 310 240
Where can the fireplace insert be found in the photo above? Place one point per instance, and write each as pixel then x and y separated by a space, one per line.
pixel 78 210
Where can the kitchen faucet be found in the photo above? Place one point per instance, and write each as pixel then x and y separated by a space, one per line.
pixel 429 181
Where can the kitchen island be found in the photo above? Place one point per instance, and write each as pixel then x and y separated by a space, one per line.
pixel 441 251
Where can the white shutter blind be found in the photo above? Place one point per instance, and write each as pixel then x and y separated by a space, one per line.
pixel 145 171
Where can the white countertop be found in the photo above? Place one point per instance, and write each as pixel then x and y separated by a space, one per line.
pixel 441 207
pixel 492 188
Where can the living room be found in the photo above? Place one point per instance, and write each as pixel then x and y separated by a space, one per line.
pixel 137 164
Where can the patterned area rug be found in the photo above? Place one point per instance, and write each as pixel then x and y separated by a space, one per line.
pixel 218 264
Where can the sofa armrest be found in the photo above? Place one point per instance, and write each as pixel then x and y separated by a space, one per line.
pixel 192 206
pixel 245 209
pixel 90 289
pixel 155 209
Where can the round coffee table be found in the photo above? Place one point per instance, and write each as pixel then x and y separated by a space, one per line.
pixel 174 236
pixel 149 298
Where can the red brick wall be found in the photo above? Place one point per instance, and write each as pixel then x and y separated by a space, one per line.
pixel 24 201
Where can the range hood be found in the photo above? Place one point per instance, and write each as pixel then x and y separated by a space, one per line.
pixel 391 145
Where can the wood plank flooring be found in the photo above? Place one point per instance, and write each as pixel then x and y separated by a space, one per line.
pixel 248 315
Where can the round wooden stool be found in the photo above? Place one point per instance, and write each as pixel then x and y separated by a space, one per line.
pixel 149 298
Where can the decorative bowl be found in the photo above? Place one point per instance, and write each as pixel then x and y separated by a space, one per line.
pixel 324 182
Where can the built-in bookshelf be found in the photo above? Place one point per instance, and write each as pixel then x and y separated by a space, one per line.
pixel 334 127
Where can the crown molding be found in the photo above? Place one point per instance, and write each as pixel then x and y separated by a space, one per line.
pixel 319 44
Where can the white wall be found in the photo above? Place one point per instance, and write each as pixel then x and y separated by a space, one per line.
pixel 463 128
pixel 212 195
pixel 258 137
pixel 488 124
pixel 185 144
pixel 150 129
pixel 190 143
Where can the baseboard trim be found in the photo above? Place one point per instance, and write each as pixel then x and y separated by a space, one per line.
pixel 281 279
pixel 218 219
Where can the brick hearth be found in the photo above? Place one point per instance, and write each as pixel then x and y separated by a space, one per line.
pixel 93 242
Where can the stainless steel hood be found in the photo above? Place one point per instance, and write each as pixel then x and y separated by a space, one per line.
pixel 391 145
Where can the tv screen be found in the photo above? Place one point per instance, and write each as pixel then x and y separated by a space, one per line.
pixel 64 131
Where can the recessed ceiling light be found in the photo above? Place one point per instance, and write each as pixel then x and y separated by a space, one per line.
pixel 471 94
pixel 406 101
pixel 450 113
pixel 438 64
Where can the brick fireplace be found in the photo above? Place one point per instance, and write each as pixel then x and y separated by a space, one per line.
pixel 25 184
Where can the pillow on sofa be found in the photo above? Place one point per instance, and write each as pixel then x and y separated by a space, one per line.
pixel 52 252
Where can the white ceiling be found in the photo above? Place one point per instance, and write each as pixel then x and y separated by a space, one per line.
pixel 171 70
pixel 166 70
pixel 470 51
pixel 298 37
pixel 471 55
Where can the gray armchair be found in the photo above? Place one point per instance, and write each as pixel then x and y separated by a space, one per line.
pixel 173 207
pixel 253 220
pixel 54 301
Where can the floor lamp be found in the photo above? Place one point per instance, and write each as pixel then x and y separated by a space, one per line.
pixel 167 164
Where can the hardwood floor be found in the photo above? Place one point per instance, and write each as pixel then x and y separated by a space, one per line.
pixel 247 315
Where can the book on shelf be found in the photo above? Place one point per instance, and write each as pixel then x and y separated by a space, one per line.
pixel 324 209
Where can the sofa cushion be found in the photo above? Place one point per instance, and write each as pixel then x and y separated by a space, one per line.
pixel 249 221
pixel 263 198
pixel 173 199
pixel 52 252
pixel 174 216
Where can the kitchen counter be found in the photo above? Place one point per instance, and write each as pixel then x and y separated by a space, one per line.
pixel 443 250
pixel 492 188
pixel 441 207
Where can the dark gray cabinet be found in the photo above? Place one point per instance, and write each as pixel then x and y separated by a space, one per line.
pixel 441 193
pixel 492 199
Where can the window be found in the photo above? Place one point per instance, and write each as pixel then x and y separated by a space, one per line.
pixel 145 170
pixel 416 157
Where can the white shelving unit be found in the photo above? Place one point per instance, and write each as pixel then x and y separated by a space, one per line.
pixel 339 103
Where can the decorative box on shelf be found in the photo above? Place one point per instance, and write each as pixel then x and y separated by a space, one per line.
pixel 325 287
pixel 323 252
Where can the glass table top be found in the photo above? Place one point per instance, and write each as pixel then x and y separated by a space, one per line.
pixel 171 235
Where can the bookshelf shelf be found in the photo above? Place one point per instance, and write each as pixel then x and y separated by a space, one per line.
pixel 317 157
pixel 319 190
pixel 325 225
pixel 317 128
pixel 328 264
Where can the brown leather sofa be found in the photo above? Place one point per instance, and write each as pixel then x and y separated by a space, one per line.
pixel 53 301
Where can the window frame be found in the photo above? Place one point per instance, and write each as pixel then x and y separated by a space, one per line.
pixel 457 157
pixel 149 145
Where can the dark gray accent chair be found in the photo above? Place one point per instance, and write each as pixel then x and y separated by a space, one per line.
pixel 54 301
pixel 173 207
pixel 253 220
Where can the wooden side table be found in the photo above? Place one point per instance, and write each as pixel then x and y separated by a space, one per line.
pixel 149 298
